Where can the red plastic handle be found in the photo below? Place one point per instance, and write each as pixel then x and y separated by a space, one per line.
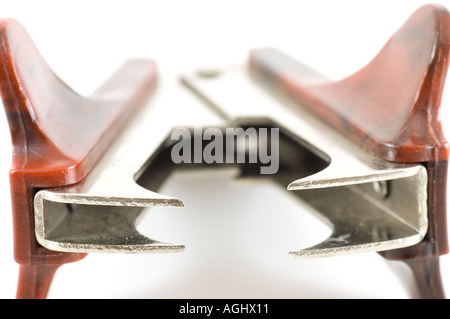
pixel 58 136
pixel 390 108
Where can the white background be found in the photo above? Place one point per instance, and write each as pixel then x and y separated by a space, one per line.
pixel 237 239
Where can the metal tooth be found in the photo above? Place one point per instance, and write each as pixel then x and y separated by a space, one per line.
pixel 87 228
pixel 345 193
pixel 104 221
pixel 363 221
pixel 348 171
pixel 129 194
pixel 98 219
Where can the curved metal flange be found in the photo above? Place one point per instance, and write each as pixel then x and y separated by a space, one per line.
pixel 373 216
pixel 349 188
pixel 101 212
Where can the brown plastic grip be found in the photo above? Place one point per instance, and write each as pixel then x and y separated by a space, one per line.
pixel 58 136
pixel 390 108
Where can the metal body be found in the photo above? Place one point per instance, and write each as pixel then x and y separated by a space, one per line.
pixel 371 204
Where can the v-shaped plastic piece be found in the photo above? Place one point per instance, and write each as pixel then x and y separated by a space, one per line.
pixel 390 108
pixel 58 136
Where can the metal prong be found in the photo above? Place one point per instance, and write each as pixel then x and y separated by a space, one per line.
pixel 89 228
pixel 346 169
pixel 92 222
pixel 364 221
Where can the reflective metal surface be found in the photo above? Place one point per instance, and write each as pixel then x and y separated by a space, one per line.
pixel 100 213
pixel 372 205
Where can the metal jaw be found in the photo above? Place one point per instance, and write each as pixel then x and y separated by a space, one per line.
pixel 372 204
pixel 361 197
